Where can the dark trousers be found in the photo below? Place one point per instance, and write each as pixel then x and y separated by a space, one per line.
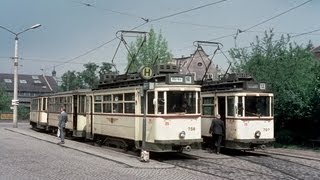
pixel 62 131
pixel 216 142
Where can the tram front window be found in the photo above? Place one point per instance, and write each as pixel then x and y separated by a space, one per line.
pixel 257 106
pixel 181 102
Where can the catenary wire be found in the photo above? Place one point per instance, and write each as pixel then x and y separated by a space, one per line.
pixel 146 21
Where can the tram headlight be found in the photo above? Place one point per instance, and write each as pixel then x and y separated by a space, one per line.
pixel 257 134
pixel 182 134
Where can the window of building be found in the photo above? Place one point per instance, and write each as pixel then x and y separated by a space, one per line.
pixel 35 77
pixel 37 81
pixel 22 81
pixel 7 80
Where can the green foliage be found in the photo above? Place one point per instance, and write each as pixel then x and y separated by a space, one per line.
pixel 23 112
pixel 89 75
pixel 154 49
pixel 5 101
pixel 88 78
pixel 71 80
pixel 292 72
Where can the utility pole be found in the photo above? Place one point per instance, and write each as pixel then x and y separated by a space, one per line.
pixel 146 73
pixel 15 100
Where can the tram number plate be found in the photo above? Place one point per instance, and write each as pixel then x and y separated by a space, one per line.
pixel 191 128
pixel 266 129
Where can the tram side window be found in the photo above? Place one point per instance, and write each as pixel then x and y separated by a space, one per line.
pixel 107 104
pixel 129 104
pixel 240 106
pixel 230 105
pixel 97 103
pixel 51 104
pixel 272 106
pixel 118 103
pixel 150 102
pixel 160 102
pixel 44 104
pixel 34 104
pixel 257 106
pixel 82 104
pixel 208 105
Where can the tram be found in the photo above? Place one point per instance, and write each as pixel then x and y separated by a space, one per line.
pixel 113 113
pixel 245 106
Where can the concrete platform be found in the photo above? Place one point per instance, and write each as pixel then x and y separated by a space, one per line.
pixel 122 158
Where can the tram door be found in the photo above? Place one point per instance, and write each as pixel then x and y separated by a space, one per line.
pixel 89 116
pixel 39 110
pixel 75 116
pixel 222 107
pixel 222 112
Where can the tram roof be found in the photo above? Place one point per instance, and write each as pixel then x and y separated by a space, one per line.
pixel 234 82
pixel 164 73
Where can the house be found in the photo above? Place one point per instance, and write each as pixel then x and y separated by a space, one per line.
pixel 196 64
pixel 28 86
pixel 316 52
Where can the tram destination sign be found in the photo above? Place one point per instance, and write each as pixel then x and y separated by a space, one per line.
pixel 179 79
pixel 256 86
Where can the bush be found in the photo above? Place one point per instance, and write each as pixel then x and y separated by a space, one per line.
pixel 284 137
pixel 23 113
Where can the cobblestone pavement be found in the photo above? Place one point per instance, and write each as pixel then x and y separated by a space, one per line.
pixel 253 166
pixel 24 157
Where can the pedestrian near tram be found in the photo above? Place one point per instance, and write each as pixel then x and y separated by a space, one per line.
pixel 63 118
pixel 217 130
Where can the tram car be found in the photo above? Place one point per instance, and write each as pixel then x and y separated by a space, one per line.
pixel 245 106
pixel 38 112
pixel 113 113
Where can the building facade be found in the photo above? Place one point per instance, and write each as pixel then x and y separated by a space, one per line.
pixel 28 86
pixel 196 64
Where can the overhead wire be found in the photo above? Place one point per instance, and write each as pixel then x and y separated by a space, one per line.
pixel 145 22
pixel 262 22
pixel 188 10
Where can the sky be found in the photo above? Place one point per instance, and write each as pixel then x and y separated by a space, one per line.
pixel 75 32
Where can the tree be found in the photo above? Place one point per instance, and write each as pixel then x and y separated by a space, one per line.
pixel 71 81
pixel 88 78
pixel 289 69
pixel 154 49
pixel 4 101
pixel 89 75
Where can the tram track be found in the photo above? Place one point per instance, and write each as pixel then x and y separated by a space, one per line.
pixel 272 155
pixel 291 169
pixel 212 167
pixel 214 160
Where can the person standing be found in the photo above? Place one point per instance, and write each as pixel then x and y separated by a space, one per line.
pixel 63 118
pixel 217 130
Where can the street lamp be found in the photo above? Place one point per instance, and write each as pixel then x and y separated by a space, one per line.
pixel 15 100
